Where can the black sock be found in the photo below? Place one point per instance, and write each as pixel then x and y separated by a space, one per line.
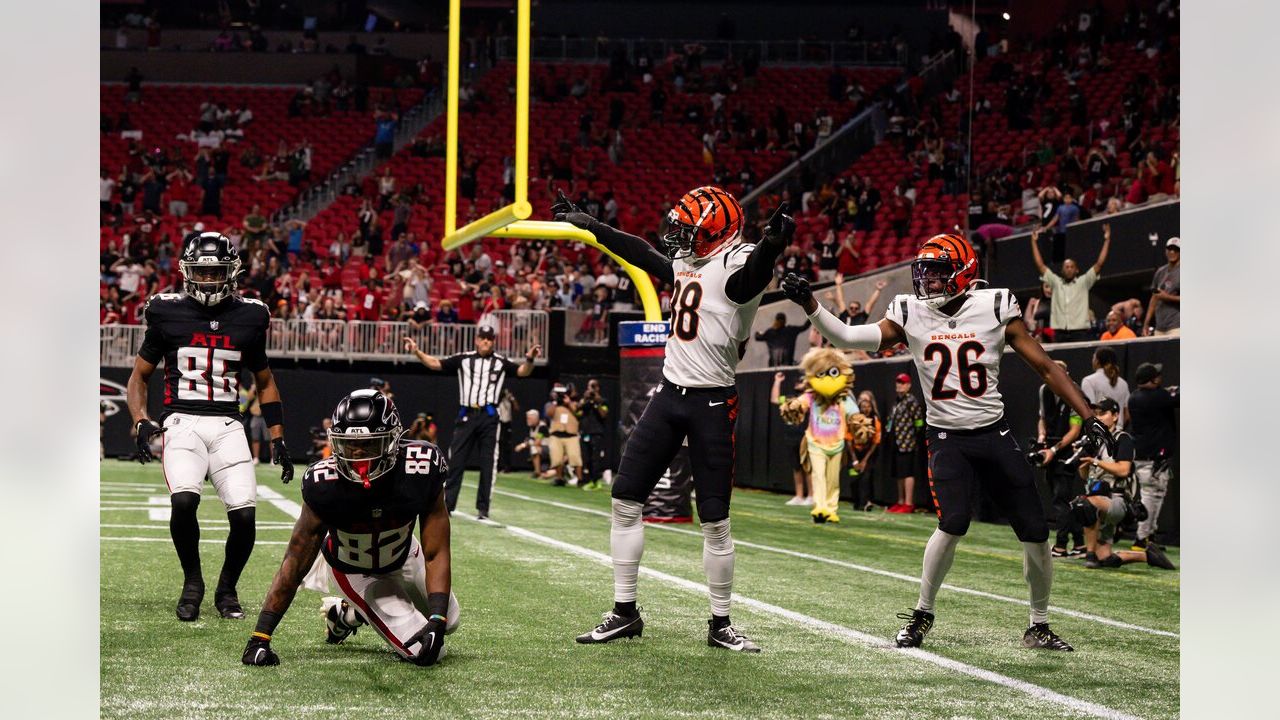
pixel 185 531
pixel 625 609
pixel 719 621
pixel 239 546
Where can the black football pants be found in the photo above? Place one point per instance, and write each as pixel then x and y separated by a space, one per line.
pixel 962 460
pixel 706 416
pixel 475 430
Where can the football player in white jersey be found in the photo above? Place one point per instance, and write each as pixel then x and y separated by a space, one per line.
pixel 718 281
pixel 956 334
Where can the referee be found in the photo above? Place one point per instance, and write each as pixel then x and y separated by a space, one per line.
pixel 481 374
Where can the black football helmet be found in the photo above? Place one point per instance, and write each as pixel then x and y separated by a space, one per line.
pixel 210 267
pixel 365 435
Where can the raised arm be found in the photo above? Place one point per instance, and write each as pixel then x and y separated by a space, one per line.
pixel 1035 253
pixel 526 367
pixel 432 362
pixel 1106 247
pixel 882 335
pixel 630 248
pixel 881 284
pixel 840 303
pixel 753 277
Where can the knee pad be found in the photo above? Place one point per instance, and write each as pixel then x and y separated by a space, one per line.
pixel 716 537
pixel 712 509
pixel 627 513
pixel 1084 512
pixel 185 503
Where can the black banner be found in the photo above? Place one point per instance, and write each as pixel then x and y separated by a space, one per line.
pixel 641 373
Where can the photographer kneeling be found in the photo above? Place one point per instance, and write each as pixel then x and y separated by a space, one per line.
pixel 1113 499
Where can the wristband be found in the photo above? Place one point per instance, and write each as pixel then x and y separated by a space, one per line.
pixel 267 622
pixel 438 603
pixel 273 413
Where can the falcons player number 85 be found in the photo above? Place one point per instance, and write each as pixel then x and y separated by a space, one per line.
pixel 204 374
pixel 686 299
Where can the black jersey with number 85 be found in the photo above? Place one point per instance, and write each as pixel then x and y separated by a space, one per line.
pixel 203 349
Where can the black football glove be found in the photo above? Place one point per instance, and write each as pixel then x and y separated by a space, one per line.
pixel 797 289
pixel 782 227
pixel 432 639
pixel 280 456
pixel 1096 437
pixel 563 210
pixel 258 652
pixel 146 429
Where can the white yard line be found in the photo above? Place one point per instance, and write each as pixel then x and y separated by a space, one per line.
pixel 211 541
pixel 284 504
pixel 860 568
pixel 848 634
pixel 203 524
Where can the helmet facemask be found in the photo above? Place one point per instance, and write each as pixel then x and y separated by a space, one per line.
pixel 208 279
pixel 363 456
pixel 934 281
pixel 680 240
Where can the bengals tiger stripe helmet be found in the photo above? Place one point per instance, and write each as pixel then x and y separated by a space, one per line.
pixel 943 270
pixel 702 221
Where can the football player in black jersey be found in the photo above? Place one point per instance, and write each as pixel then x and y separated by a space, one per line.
pixel 359 507
pixel 205 336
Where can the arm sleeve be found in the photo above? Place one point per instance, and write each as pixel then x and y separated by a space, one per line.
pixel 856 337
pixel 153 345
pixel 508 364
pixel 634 250
pixel 751 279
pixel 451 363
pixel 255 356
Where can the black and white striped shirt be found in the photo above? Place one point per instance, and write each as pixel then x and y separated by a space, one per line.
pixel 480 379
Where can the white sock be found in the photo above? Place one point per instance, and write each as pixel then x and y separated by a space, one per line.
pixel 938 554
pixel 1037 568
pixel 717 560
pixel 626 545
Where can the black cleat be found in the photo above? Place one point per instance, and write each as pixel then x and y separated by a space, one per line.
pixel 1157 558
pixel 728 637
pixel 482 516
pixel 1040 636
pixel 189 601
pixel 340 620
pixel 228 605
pixel 613 627
pixel 918 624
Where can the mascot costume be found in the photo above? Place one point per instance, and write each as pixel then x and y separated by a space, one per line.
pixel 830 412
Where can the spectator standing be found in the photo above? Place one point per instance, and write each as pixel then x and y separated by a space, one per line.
pixel 861 455
pixel 1153 419
pixel 1105 382
pixel 1166 294
pixel 856 313
pixel 1057 427
pixel 1070 291
pixel 781 340
pixel 384 135
pixel 1060 217
pixel 481 376
pixel 906 428
pixel 593 414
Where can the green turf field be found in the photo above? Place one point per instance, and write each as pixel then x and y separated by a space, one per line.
pixel 820 600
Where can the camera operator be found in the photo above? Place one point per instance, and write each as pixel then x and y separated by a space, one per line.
pixel 563 424
pixel 1153 415
pixel 1056 429
pixel 1112 499
pixel 592 413
pixel 534 442
pixel 423 428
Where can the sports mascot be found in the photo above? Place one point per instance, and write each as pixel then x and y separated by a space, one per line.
pixel 830 411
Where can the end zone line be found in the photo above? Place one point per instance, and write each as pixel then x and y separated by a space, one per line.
pixel 848 634
pixel 861 568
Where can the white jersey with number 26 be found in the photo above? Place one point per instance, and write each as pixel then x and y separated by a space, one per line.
pixel 707 328
pixel 957 357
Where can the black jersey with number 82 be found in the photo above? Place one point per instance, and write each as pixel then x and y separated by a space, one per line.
pixel 203 349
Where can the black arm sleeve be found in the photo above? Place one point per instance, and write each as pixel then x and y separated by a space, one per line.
pixel 752 278
pixel 451 363
pixel 153 344
pixel 255 356
pixel 634 250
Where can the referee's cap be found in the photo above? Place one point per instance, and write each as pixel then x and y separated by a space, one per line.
pixel 487 332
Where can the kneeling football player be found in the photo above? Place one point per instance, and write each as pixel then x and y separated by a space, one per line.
pixel 359 508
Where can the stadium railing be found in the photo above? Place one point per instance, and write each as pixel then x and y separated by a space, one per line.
pixel 300 339
pixel 769 51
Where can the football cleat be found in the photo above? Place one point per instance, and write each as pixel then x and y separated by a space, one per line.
pixel 613 627
pixel 1157 558
pixel 340 619
pixel 189 601
pixel 918 624
pixel 728 637
pixel 1058 552
pixel 1040 636
pixel 228 605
